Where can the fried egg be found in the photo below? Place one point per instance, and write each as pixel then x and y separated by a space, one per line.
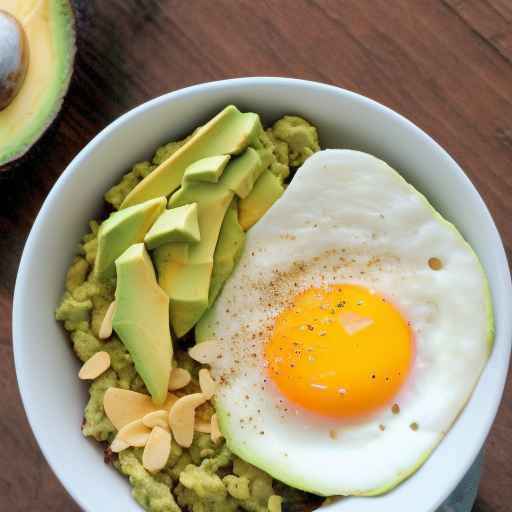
pixel 353 330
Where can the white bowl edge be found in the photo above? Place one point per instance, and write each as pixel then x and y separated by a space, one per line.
pixel 202 100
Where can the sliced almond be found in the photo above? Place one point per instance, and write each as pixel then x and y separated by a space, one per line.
pixel 204 428
pixel 181 418
pixel 157 450
pixel 157 419
pixel 207 384
pixel 216 434
pixel 106 325
pixel 95 366
pixel 123 406
pixel 353 322
pixel 118 445
pixel 206 352
pixel 134 434
pixel 178 379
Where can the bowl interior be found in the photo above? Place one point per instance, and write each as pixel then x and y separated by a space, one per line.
pixel 47 370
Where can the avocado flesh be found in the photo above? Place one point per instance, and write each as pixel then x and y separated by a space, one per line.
pixel 176 225
pixel 228 133
pixel 141 320
pixel 175 251
pixel 123 229
pixel 227 253
pixel 205 328
pixel 241 183
pixel 207 169
pixel 187 280
pixel 49 26
pixel 300 136
pixel 266 191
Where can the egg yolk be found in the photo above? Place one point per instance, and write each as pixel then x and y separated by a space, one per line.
pixel 341 351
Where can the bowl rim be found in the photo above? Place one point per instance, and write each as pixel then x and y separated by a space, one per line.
pixel 75 163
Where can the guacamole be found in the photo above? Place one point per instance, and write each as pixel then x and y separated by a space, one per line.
pixel 205 477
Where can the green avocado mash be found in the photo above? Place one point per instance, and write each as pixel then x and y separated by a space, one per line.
pixel 206 477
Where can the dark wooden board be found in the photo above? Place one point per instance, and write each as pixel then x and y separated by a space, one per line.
pixel 445 64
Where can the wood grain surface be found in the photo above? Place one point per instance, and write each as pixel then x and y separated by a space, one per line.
pixel 445 64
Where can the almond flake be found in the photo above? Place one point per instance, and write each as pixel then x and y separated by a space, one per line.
pixel 216 434
pixel 106 325
pixel 95 366
pixel 182 416
pixel 178 379
pixel 118 445
pixel 157 419
pixel 207 384
pixel 157 450
pixel 134 434
pixel 205 352
pixel 123 406
pixel 353 322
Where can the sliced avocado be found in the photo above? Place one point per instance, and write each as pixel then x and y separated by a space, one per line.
pixel 122 229
pixel 242 172
pixel 141 320
pixel 207 169
pixel 175 225
pixel 205 328
pixel 227 253
pixel 50 29
pixel 228 133
pixel 187 279
pixel 265 192
pixel 212 202
pixel 187 282
pixel 176 251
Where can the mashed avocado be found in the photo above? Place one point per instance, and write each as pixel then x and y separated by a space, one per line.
pixel 298 135
pixel 205 477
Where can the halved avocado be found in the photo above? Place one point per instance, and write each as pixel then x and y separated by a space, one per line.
pixel 50 30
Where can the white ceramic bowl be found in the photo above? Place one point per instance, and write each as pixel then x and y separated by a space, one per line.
pixel 54 399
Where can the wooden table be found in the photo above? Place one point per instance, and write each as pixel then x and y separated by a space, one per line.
pixel 445 64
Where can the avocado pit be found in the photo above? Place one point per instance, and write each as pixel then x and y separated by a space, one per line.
pixel 14 57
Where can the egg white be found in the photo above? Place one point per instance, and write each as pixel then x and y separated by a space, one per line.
pixel 347 217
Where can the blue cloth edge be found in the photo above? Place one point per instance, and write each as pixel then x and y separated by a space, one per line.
pixel 464 495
